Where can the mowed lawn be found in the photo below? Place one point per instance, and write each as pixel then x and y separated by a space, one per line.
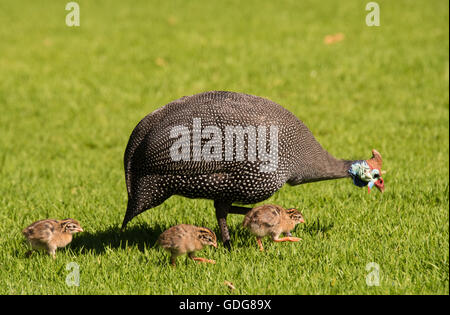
pixel 70 97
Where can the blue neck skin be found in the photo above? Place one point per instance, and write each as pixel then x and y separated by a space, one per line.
pixel 356 180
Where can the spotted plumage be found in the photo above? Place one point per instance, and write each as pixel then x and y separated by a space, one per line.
pixel 201 168
pixel 187 239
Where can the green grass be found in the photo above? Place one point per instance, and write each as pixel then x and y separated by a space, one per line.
pixel 70 97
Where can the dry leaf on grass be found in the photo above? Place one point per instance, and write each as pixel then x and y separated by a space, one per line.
pixel 160 62
pixel 230 285
pixel 335 38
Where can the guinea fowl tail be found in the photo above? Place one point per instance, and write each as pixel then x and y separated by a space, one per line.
pixel 137 136
pixel 128 177
pixel 129 151
pixel 128 215
pixel 127 166
pixel 147 193
pixel 135 141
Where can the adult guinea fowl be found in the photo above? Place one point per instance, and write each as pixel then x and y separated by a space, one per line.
pixel 231 148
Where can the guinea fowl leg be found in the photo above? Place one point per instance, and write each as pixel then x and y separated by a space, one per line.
pixel 258 240
pixel 199 259
pixel 52 251
pixel 287 239
pixel 222 209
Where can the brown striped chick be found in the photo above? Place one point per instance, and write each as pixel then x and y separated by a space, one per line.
pixel 272 220
pixel 50 234
pixel 187 239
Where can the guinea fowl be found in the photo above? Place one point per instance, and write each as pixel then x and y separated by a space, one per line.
pixel 187 239
pixel 272 220
pixel 49 234
pixel 231 148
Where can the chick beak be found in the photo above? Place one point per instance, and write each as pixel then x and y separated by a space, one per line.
pixel 302 220
pixel 215 245
pixel 79 229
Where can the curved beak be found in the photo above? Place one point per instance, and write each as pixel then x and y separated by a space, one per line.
pixel 379 184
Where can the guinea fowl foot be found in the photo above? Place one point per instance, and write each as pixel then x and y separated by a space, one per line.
pixel 199 259
pixel 288 239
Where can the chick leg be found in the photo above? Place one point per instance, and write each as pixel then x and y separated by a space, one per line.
pixel 173 258
pixel 52 251
pixel 287 239
pixel 258 240
pixel 199 259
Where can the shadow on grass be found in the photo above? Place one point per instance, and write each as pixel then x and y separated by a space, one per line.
pixel 317 227
pixel 142 236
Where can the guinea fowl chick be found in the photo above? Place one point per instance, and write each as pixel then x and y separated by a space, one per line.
pixel 49 234
pixel 272 220
pixel 185 238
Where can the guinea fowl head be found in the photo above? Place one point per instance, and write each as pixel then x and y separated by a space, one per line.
pixel 207 237
pixel 375 164
pixel 368 172
pixel 70 226
pixel 295 215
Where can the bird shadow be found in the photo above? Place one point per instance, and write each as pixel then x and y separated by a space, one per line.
pixel 141 236
pixel 144 236
pixel 317 227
